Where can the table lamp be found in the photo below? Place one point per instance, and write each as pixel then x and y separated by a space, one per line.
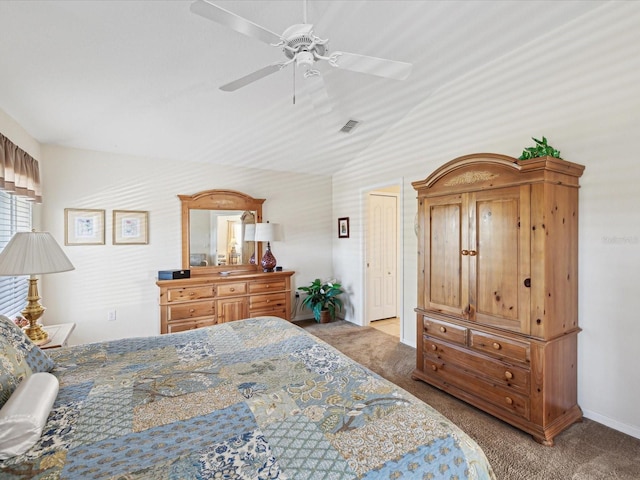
pixel 267 232
pixel 33 253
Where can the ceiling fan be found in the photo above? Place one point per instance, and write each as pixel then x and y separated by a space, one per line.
pixel 300 46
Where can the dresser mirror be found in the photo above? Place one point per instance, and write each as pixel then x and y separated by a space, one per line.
pixel 217 228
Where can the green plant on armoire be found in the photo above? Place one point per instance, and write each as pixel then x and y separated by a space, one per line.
pixel 541 149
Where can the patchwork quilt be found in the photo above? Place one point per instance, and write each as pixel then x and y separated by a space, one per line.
pixel 254 399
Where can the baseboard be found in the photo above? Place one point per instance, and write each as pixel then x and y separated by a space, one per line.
pixel 611 423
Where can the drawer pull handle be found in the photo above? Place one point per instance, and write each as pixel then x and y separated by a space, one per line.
pixel 191 310
pixel 472 253
pixel 434 368
pixel 232 289
pixel 192 293
pixel 443 329
pixel 267 301
pixel 434 347
pixel 508 375
pixel 497 346
pixel 465 252
pixel 509 400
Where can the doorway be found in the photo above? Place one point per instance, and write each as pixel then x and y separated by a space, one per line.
pixel 382 259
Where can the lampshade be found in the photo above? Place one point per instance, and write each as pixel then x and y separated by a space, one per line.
pixel 267 232
pixel 33 253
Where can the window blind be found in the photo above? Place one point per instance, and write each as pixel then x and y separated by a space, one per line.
pixel 15 216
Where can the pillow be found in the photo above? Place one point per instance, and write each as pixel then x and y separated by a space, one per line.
pixel 19 358
pixel 25 414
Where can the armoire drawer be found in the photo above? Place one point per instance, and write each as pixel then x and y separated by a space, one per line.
pixel 189 293
pixel 508 376
pixel 500 347
pixel 449 374
pixel 232 289
pixel 191 310
pixel 445 330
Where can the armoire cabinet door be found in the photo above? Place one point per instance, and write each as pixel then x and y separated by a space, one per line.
pixel 499 244
pixel 477 256
pixel 446 271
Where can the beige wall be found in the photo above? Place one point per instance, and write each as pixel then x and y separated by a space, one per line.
pixel 580 88
pixel 122 277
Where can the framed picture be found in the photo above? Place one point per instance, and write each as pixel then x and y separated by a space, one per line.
pixel 343 227
pixel 83 226
pixel 130 227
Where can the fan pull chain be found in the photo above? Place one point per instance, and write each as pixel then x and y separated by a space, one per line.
pixel 294 84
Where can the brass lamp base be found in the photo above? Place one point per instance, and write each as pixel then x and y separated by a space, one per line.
pixel 36 334
pixel 32 312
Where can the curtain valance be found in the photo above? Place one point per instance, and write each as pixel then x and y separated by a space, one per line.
pixel 19 171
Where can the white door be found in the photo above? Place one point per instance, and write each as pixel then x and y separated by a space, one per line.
pixel 382 254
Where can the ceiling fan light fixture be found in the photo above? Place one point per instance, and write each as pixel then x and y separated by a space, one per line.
pixel 305 58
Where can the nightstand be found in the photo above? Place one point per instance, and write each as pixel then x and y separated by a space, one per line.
pixel 58 335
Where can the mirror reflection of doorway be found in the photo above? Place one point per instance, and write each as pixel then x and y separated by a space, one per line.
pixel 382 260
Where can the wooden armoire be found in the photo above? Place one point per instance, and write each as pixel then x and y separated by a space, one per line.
pixel 497 315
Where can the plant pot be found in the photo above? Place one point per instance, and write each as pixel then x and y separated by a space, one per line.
pixel 325 316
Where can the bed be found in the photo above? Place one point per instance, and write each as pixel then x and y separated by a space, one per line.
pixel 253 399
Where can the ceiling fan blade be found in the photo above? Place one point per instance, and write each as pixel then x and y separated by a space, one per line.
pixel 252 77
pixel 371 65
pixel 322 105
pixel 229 19
pixel 318 95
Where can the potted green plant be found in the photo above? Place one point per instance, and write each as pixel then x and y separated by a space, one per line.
pixel 541 149
pixel 322 299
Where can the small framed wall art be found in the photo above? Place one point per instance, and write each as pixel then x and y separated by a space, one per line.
pixel 83 226
pixel 130 227
pixel 343 227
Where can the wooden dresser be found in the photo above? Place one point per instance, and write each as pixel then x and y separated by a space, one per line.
pixel 205 300
pixel 497 315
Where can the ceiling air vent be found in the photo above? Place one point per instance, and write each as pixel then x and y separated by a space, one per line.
pixel 349 126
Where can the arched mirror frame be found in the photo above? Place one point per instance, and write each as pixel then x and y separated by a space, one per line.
pixel 217 200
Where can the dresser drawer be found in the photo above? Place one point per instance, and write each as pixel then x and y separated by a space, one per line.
pixel 500 347
pixel 445 331
pixel 184 325
pixel 266 287
pixel 508 376
pixel 271 301
pixel 191 310
pixel 448 374
pixel 231 289
pixel 189 293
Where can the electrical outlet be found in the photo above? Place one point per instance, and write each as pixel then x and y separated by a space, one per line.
pixel 297 294
pixel 111 316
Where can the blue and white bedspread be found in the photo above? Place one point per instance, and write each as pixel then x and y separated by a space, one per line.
pixel 253 399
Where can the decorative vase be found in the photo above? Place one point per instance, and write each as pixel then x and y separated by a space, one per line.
pixel 268 260
pixel 325 316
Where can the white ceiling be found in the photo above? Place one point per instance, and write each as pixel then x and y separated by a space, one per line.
pixel 142 77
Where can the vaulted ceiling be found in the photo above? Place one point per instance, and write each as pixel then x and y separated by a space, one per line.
pixel 141 77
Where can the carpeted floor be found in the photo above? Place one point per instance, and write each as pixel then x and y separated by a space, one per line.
pixel 586 451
